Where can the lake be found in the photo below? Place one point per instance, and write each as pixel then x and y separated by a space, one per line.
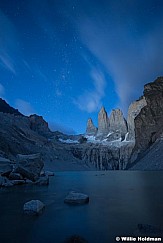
pixel 119 200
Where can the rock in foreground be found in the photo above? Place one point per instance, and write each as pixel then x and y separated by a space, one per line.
pixel 43 181
pixel 76 239
pixel 149 229
pixel 5 166
pixel 4 182
pixel 76 198
pixel 49 173
pixel 30 166
pixel 33 207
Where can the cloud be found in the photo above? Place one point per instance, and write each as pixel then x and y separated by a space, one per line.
pixel 2 91
pixel 90 101
pixel 127 43
pixel 24 107
pixel 7 63
pixel 8 43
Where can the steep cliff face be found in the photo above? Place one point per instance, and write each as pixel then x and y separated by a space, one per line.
pixel 149 122
pixel 91 129
pixel 118 122
pixel 103 122
pixel 133 111
pixel 104 157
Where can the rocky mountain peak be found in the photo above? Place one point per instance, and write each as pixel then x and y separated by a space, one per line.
pixel 6 108
pixel 103 122
pixel 154 87
pixel 91 129
pixel 118 122
pixel 38 124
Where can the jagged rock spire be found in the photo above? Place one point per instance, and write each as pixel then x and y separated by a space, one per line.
pixel 91 129
pixel 118 122
pixel 103 122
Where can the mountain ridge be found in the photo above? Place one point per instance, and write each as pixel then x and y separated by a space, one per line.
pixel 117 145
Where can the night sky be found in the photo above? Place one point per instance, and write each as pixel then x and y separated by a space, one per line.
pixel 65 59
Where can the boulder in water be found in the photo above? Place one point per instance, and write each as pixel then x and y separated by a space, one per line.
pixel 43 181
pixel 76 198
pixel 33 207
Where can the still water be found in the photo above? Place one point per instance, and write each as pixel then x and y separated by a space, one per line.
pixel 119 200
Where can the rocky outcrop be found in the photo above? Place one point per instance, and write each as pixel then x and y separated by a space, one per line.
pixel 133 111
pixel 103 122
pixel 39 125
pixel 43 181
pixel 4 182
pixel 5 166
pixel 118 122
pixel 149 122
pixel 29 166
pixel 91 129
pixel 15 176
pixel 17 137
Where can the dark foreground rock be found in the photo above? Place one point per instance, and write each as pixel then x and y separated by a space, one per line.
pixel 75 239
pixel 15 176
pixel 149 229
pixel 49 173
pixel 27 171
pixel 33 207
pixel 18 182
pixel 4 182
pixel 43 181
pixel 76 198
pixel 5 166
pixel 30 166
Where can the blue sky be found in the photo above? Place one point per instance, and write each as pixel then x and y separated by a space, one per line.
pixel 64 59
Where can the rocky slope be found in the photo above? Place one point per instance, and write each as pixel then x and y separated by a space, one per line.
pixel 29 135
pixel 151 159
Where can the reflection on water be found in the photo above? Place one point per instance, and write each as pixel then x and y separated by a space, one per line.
pixel 119 200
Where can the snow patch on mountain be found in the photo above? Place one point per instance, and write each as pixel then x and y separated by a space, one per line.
pixel 68 141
